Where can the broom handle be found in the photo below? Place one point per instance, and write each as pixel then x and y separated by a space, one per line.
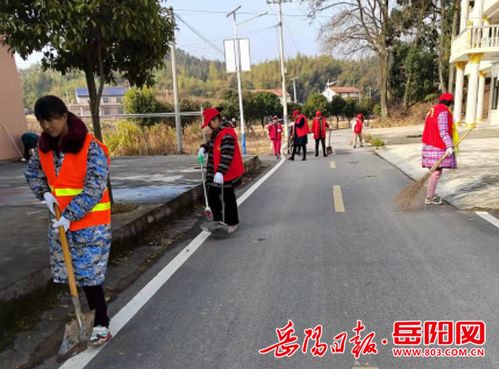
pixel 67 256
pixel 13 141
pixel 439 161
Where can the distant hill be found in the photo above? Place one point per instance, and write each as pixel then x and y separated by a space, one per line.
pixel 207 78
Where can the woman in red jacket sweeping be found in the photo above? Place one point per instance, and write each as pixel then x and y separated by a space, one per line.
pixel 225 169
pixel 319 127
pixel 437 142
pixel 275 135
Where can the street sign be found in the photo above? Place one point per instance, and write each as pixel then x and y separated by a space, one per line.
pixel 244 55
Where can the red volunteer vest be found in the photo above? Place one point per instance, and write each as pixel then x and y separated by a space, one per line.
pixel 236 168
pixel 358 126
pixel 71 181
pixel 275 131
pixel 322 125
pixel 431 133
pixel 302 131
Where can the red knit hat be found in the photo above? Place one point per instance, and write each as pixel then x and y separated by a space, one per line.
pixel 208 115
pixel 295 113
pixel 318 113
pixel 446 97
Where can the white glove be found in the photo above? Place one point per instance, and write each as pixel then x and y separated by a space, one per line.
pixel 50 201
pixel 219 178
pixel 449 151
pixel 63 222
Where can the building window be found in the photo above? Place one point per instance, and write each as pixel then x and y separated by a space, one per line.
pixel 118 100
pixel 120 111
pixel 107 111
pixel 495 94
pixel 105 100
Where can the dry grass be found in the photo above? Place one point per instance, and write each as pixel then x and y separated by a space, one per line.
pixel 401 118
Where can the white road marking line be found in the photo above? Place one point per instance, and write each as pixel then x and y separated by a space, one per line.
pixel 339 206
pixel 332 164
pixel 149 290
pixel 488 217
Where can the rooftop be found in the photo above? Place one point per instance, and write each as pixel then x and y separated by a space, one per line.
pixel 345 89
pixel 108 91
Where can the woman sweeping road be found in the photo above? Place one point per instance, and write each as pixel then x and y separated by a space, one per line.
pixel 438 141
pixel 69 169
pixel 225 169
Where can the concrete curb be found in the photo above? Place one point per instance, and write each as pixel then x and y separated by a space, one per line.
pixel 122 235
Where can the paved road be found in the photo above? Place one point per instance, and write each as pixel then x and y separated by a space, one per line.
pixel 296 258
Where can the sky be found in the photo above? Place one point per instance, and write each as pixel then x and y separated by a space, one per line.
pixel 209 19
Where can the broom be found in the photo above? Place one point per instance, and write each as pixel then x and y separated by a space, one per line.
pixel 412 196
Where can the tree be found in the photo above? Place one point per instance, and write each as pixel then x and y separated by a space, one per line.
pixel 230 104
pixel 140 101
pixel 261 105
pixel 349 110
pixel 360 25
pixel 316 102
pixel 336 107
pixel 99 37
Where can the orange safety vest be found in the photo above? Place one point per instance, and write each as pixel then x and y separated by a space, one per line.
pixel 71 181
pixel 236 168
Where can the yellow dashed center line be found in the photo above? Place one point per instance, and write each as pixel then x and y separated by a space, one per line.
pixel 339 206
pixel 332 164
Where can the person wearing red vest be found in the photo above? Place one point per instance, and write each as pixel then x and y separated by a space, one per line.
pixel 437 142
pixel 300 134
pixel 225 169
pixel 69 168
pixel 357 130
pixel 275 135
pixel 319 127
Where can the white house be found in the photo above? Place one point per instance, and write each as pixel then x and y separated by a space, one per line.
pixel 346 92
pixel 475 54
pixel 111 101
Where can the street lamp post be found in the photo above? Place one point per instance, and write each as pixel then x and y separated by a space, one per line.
pixel 237 53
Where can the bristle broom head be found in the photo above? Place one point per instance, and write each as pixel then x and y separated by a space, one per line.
pixel 412 197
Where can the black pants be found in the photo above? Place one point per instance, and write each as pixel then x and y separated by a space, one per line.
pixel 323 141
pixel 298 147
pixel 97 302
pixel 215 202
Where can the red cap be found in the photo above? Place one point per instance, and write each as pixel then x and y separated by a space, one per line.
pixel 295 113
pixel 446 97
pixel 208 115
pixel 360 116
pixel 318 113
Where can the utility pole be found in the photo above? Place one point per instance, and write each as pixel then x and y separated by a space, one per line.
pixel 294 90
pixel 178 122
pixel 238 72
pixel 283 66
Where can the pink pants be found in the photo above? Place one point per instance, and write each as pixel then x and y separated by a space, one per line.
pixel 277 146
pixel 432 183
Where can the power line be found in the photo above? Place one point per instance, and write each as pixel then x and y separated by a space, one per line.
pixel 199 35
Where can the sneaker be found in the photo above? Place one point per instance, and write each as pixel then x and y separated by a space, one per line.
pixel 354 146
pixel 212 226
pixel 100 335
pixel 232 229
pixel 292 158
pixel 435 200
